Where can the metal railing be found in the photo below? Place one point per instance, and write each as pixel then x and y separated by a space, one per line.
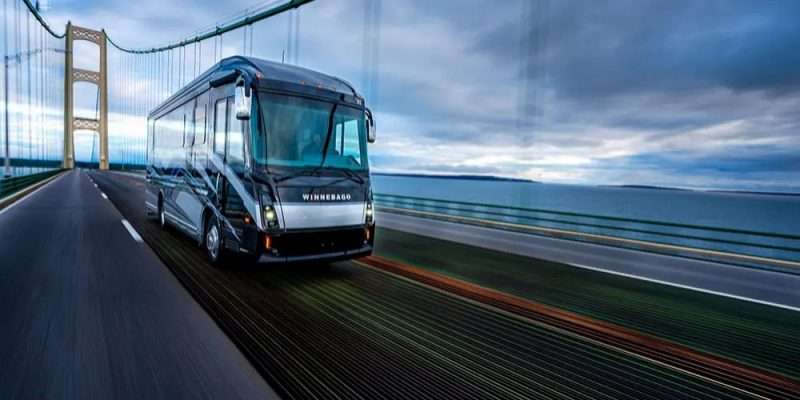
pixel 780 246
pixel 9 186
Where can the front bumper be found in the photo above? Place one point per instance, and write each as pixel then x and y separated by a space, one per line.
pixel 306 245
pixel 269 258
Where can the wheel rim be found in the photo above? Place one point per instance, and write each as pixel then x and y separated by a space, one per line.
pixel 212 241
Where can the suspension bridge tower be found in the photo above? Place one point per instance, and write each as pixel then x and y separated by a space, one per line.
pixel 99 78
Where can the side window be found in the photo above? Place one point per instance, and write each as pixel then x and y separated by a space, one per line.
pixel 187 129
pixel 200 123
pixel 351 148
pixel 345 147
pixel 188 124
pixel 157 140
pixel 235 137
pixel 220 110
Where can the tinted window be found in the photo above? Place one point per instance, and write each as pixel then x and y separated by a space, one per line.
pixel 219 127
pixel 293 132
pixel 235 137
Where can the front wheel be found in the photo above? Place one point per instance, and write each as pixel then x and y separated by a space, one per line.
pixel 214 241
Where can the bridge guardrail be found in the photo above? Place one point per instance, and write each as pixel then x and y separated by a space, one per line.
pixel 14 184
pixel 709 239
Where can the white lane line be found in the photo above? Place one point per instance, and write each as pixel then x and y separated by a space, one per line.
pixel 687 287
pixel 104 195
pixel 643 278
pixel 10 206
pixel 134 234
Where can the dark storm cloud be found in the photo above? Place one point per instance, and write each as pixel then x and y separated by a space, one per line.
pixel 684 89
pixel 756 160
pixel 622 47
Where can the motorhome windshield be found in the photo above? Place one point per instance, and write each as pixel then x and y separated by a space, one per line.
pixel 294 131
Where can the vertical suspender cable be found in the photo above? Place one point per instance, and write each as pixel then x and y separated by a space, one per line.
pixel 6 162
pixel 296 46
pixel 289 51
pixel 170 80
pixel 30 79
pixel 18 82
pixel 40 94
pixel 244 40
pixel 45 95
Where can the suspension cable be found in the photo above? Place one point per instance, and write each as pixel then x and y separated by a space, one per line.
pixel 218 30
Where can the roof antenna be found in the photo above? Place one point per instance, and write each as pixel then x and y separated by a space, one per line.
pixel 283 56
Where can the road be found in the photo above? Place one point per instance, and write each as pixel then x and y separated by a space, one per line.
pixel 752 284
pixel 89 312
pixel 354 332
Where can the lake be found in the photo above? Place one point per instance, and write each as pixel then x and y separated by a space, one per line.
pixel 754 212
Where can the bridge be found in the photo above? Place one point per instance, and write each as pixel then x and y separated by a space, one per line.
pixel 461 299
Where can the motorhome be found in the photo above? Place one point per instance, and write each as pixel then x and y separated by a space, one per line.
pixel 265 160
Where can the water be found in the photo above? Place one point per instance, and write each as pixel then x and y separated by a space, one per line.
pixel 753 212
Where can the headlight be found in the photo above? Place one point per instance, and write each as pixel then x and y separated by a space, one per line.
pixel 370 214
pixel 270 216
pixel 268 211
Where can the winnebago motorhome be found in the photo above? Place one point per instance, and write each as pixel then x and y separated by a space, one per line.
pixel 264 159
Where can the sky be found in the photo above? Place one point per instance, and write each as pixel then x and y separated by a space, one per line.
pixel 679 93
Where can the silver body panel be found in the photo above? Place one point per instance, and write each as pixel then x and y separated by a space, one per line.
pixel 304 215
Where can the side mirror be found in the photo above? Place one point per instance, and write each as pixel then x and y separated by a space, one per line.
pixel 242 101
pixel 370 127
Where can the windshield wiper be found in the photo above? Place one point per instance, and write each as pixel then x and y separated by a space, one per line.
pixel 313 172
pixel 351 175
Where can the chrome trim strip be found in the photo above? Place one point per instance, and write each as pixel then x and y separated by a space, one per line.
pixel 177 219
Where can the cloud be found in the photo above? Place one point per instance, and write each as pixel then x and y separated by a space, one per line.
pixel 630 92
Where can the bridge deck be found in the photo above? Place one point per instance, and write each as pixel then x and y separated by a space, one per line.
pixel 353 331
pixel 88 312
pixel 759 285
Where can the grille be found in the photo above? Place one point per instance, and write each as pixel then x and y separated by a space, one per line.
pixel 318 242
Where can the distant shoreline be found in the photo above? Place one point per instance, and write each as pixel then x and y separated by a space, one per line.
pixel 462 177
pixel 649 187
pixel 733 191
pixel 754 192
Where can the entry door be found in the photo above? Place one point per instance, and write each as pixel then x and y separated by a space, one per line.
pixel 234 160
pixel 216 162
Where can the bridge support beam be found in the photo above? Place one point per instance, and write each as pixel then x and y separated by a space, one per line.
pixel 99 78
pixel 69 138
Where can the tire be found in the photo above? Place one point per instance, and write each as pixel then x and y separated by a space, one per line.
pixel 213 241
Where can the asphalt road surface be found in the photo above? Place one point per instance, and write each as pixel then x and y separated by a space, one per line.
pixel 759 285
pixel 354 332
pixel 89 312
